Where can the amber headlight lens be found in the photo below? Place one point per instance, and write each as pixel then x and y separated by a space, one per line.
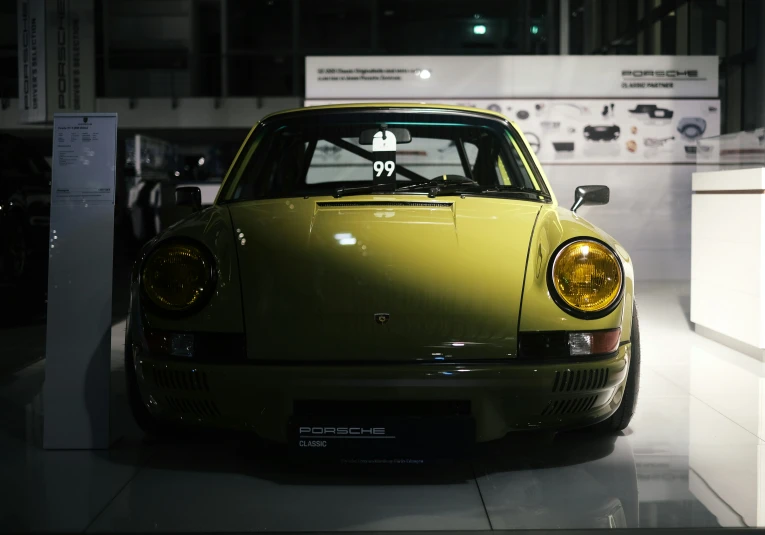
pixel 587 276
pixel 177 276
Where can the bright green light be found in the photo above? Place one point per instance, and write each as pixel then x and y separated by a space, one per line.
pixel 479 29
pixel 535 29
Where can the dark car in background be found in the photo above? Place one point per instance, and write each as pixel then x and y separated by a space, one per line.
pixel 24 214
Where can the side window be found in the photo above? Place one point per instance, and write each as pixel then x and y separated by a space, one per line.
pixel 279 172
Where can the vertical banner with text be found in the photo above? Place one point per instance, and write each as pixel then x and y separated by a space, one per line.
pixel 71 59
pixel 32 67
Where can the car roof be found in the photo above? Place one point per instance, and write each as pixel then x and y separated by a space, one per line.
pixel 392 105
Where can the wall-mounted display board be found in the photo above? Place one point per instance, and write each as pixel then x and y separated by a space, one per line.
pixel 418 77
pixel 602 131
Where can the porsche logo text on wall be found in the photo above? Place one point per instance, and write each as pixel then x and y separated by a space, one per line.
pixel 658 79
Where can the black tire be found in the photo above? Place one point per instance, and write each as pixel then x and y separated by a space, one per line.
pixel 619 420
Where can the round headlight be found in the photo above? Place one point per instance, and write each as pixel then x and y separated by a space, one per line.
pixel 177 276
pixel 587 276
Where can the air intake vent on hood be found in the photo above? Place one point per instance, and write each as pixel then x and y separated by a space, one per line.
pixel 351 204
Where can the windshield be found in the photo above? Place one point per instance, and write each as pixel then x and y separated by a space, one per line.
pixel 312 154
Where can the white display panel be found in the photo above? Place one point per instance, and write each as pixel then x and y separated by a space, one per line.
pixel 415 77
pixel 646 131
pixel 728 262
pixel 78 363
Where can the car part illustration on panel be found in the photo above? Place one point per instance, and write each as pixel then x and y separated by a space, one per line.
pixel 656 141
pixel 653 111
pixel 632 145
pixel 563 146
pixel 522 115
pixel 654 146
pixel 550 125
pixel 602 132
pixel 495 107
pixel 608 110
pixel 533 140
pixel 691 127
pixel 568 109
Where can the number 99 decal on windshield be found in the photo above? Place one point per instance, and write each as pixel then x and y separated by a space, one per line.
pixel 384 162
pixel 387 166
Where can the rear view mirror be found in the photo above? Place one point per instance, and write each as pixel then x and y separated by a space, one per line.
pixel 402 135
pixel 590 195
pixel 189 196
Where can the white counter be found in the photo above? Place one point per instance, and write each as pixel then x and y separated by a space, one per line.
pixel 728 258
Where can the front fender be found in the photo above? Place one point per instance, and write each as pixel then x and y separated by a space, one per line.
pixel 538 310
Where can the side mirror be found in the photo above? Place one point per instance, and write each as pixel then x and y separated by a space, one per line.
pixel 189 196
pixel 590 195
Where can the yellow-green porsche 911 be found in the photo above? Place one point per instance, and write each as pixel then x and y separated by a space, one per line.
pixel 401 274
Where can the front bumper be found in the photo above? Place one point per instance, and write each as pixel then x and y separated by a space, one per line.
pixel 501 397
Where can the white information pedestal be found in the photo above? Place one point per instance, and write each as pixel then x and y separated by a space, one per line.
pixel 728 258
pixel 77 365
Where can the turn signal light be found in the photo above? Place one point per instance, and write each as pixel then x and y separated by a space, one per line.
pixel 594 343
pixel 196 346
pixel 586 277
pixel 178 276
pixel 560 344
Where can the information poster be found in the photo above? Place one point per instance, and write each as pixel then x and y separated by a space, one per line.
pixel 83 158
pixel 78 353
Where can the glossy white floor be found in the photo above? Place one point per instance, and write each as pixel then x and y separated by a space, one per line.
pixel 693 456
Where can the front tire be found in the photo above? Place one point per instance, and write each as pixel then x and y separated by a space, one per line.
pixel 619 420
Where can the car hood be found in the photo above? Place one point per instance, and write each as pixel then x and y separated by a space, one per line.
pixel 382 278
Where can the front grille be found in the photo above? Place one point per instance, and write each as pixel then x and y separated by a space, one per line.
pixel 580 380
pixel 374 408
pixel 352 204
pixel 194 381
pixel 569 406
pixel 201 408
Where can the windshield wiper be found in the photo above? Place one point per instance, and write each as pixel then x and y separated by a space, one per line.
pixel 517 190
pixel 439 185
pixel 436 185
pixel 371 188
